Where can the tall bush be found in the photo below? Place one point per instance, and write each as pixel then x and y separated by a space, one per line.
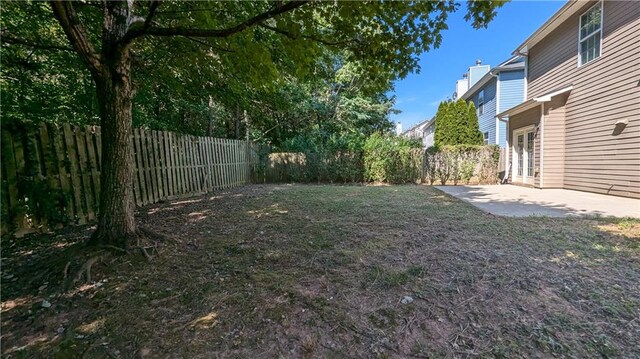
pixel 462 163
pixel 473 136
pixel 317 156
pixel 442 133
pixel 457 124
pixel 392 159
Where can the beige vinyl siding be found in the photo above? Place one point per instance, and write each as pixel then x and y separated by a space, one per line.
pixel 524 119
pixel 553 142
pixel 596 159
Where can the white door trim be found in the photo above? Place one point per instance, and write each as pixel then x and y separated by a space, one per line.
pixel 525 161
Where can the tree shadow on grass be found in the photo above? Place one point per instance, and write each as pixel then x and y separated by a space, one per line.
pixel 35 259
pixel 326 278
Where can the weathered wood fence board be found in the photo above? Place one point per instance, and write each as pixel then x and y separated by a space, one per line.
pixel 51 175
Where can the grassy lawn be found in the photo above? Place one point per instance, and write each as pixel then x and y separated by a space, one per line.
pixel 321 271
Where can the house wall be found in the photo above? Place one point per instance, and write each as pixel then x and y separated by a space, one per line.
pixel 599 157
pixel 511 89
pixel 524 119
pixel 429 132
pixel 511 93
pixel 554 143
pixel 487 121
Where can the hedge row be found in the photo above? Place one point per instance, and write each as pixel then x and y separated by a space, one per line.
pixel 462 164
pixel 386 159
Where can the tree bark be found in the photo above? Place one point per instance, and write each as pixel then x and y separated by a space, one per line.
pixel 116 223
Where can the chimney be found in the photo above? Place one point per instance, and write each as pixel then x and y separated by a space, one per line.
pixel 462 86
pixel 476 72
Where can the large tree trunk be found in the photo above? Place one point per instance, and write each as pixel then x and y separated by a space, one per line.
pixel 111 72
pixel 116 223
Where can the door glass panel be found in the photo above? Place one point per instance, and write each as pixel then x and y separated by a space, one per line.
pixel 520 154
pixel 530 139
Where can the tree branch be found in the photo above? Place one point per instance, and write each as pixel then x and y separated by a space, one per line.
pixel 182 31
pixel 34 44
pixel 66 15
pixel 208 44
pixel 152 12
pixel 308 37
pixel 93 4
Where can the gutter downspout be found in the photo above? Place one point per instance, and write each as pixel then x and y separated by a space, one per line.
pixel 497 77
pixel 508 148
pixel 542 145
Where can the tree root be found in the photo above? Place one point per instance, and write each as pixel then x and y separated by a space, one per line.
pixel 85 269
pixel 155 236
pixel 114 248
pixel 65 272
pixel 147 242
pixel 143 250
pixel 144 241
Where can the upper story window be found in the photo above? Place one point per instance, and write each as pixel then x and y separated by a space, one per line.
pixel 481 103
pixel 590 34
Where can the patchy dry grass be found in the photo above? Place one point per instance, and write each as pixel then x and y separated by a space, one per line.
pixel 320 271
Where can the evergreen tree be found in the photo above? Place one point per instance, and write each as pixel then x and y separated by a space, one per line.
pixel 456 124
pixel 473 126
pixel 441 131
pixel 459 115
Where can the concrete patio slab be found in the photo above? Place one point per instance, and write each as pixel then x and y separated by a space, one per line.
pixel 516 201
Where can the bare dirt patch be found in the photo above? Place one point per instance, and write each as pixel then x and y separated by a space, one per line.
pixel 322 271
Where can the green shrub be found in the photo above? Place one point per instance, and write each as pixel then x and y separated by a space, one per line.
pixel 392 159
pixel 457 124
pixel 466 170
pixel 316 156
pixel 462 163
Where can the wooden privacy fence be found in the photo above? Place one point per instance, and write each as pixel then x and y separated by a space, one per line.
pixel 51 175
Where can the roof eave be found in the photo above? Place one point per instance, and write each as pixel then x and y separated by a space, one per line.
pixel 487 77
pixel 567 10
pixel 529 104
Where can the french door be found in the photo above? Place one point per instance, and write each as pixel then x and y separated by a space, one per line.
pixel 523 155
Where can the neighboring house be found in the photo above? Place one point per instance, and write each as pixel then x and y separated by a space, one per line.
pixel 423 131
pixel 497 90
pixel 469 78
pixel 398 129
pixel 580 125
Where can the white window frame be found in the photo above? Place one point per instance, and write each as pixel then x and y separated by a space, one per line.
pixel 481 104
pixel 580 41
pixel 485 137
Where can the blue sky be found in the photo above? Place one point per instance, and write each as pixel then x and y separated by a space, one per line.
pixel 418 95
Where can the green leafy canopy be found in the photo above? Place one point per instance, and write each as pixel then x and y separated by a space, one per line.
pixel 322 66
